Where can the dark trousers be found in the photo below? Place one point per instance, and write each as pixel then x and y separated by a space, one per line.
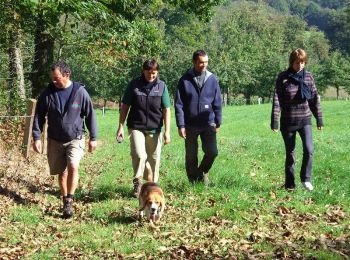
pixel 308 149
pixel 209 147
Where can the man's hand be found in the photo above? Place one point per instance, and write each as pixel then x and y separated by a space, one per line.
pixel 120 134
pixel 182 132
pixel 37 146
pixel 166 138
pixel 217 129
pixel 92 145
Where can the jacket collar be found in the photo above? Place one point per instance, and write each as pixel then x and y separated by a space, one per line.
pixel 191 73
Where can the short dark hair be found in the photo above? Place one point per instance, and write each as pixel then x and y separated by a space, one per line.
pixel 62 66
pixel 150 64
pixel 198 53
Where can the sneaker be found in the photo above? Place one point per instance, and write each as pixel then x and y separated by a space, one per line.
pixel 67 208
pixel 307 185
pixel 206 179
pixel 137 187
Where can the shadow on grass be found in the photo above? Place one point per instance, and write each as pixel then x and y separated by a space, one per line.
pixel 124 192
pixel 14 196
pixel 28 188
pixel 177 186
pixel 122 218
pixel 104 192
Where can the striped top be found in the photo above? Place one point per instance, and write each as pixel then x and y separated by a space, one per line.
pixel 295 111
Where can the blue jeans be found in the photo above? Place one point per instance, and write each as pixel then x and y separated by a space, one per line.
pixel 308 149
pixel 209 147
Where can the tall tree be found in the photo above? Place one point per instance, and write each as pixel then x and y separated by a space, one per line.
pixel 12 18
pixel 335 72
pixel 137 16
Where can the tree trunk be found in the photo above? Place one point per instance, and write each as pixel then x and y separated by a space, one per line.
pixel 43 57
pixel 228 96
pixel 16 65
pixel 224 96
pixel 17 88
pixel 337 88
pixel 247 99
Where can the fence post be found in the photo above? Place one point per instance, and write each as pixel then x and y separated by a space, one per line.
pixel 28 127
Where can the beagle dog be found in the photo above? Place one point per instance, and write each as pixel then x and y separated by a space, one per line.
pixel 151 201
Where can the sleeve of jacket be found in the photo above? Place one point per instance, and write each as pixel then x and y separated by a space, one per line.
pixel 314 104
pixel 276 109
pixel 217 105
pixel 90 116
pixel 179 106
pixel 39 116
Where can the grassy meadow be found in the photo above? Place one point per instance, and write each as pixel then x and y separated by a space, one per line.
pixel 243 213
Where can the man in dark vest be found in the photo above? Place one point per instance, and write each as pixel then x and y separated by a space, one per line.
pixel 148 100
pixel 68 108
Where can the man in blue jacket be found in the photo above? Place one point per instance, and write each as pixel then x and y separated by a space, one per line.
pixel 198 109
pixel 68 108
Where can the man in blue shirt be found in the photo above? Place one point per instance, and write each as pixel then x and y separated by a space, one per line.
pixel 68 108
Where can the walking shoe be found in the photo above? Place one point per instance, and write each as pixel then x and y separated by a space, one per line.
pixel 67 208
pixel 307 185
pixel 206 179
pixel 289 187
pixel 137 187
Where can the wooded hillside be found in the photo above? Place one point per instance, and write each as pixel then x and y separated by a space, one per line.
pixel 106 41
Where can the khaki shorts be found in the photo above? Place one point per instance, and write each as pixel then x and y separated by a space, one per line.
pixel 59 154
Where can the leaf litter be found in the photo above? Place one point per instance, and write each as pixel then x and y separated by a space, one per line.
pixel 182 235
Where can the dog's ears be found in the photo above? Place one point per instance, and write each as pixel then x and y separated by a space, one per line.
pixel 162 206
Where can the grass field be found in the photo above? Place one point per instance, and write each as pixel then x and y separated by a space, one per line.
pixel 243 213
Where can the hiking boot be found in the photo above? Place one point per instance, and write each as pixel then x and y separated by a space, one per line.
pixel 137 187
pixel 67 208
pixel 206 179
pixel 308 186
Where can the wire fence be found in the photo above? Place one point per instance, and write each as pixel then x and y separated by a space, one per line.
pixel 13 127
pixel 5 117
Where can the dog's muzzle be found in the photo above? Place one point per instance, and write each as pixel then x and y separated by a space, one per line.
pixel 154 213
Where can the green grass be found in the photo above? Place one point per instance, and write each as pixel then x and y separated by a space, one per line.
pixel 239 214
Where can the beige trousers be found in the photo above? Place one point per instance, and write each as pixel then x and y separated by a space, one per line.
pixel 145 151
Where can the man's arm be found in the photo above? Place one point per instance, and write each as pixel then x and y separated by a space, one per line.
pixel 39 121
pixel 217 106
pixel 166 116
pixel 91 122
pixel 179 112
pixel 122 116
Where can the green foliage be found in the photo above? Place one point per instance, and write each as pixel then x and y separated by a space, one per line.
pixel 203 9
pixel 250 44
pixel 335 72
pixel 106 41
pixel 280 5
pixel 184 33
pixel 331 17
pixel 332 4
